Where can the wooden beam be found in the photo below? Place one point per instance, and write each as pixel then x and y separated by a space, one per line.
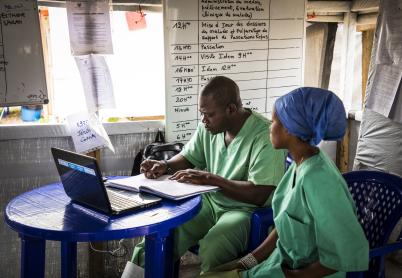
pixel 329 53
pixel 367 19
pixel 324 18
pixel 328 6
pixel 342 151
pixel 367 47
pixel 365 5
pixel 362 28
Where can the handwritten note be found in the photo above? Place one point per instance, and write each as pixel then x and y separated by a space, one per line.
pixel 258 43
pixel 89 27
pixel 87 132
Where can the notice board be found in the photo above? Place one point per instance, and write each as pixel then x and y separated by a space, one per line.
pixel 22 69
pixel 257 43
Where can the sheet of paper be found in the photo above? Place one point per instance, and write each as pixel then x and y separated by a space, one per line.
pixel 382 87
pixel 87 132
pixel 389 50
pixel 135 20
pixel 89 26
pixel 97 82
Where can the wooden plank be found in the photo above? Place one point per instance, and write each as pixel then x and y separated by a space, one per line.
pixel 342 152
pixel 147 118
pixel 367 19
pixel 325 18
pixel 365 5
pixel 367 46
pixel 329 53
pixel 319 52
pixel 328 6
pixel 362 28
pixel 316 36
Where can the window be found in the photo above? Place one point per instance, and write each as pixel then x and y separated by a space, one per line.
pixel 334 82
pixel 136 67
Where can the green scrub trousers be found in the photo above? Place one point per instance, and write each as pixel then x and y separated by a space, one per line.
pixel 229 237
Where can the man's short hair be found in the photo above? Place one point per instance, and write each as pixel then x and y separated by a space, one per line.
pixel 223 90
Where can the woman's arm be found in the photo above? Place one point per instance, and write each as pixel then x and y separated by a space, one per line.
pixel 262 252
pixel 314 270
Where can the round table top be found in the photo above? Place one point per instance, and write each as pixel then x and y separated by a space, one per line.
pixel 48 213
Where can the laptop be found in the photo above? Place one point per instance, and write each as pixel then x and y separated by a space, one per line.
pixel 83 182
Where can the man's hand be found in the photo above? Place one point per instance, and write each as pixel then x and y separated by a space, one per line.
pixel 153 169
pixel 195 177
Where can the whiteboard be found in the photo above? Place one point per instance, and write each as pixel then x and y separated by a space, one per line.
pixel 257 43
pixel 22 69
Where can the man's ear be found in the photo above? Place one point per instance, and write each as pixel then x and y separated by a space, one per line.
pixel 231 108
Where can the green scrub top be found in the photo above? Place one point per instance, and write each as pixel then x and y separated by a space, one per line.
pixel 249 157
pixel 316 220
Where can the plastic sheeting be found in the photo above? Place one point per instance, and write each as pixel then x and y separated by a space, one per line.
pixel 379 145
pixel 380 140
pixel 383 93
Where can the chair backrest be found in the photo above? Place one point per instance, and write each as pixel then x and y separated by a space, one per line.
pixel 378 199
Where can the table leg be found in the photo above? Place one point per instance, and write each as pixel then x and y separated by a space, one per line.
pixel 159 255
pixel 68 259
pixel 32 257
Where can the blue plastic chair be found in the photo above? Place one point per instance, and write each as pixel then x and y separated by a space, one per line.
pixel 378 199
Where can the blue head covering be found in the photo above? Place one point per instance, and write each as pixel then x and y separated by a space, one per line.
pixel 312 114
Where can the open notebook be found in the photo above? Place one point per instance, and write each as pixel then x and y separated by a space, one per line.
pixel 162 187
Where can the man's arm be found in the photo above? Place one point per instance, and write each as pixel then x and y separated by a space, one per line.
pixel 244 191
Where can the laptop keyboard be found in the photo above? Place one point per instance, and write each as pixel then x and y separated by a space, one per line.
pixel 119 202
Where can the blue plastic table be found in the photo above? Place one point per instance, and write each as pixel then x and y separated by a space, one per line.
pixel 47 213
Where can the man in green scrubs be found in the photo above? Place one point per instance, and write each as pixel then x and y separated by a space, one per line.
pixel 230 149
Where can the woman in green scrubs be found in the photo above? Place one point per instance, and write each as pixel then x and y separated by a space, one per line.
pixel 316 233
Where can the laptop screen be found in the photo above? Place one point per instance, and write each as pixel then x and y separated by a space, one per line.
pixel 81 179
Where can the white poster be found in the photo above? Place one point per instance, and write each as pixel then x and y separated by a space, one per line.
pixel 89 27
pixel 258 44
pixel 88 133
pixel 97 82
